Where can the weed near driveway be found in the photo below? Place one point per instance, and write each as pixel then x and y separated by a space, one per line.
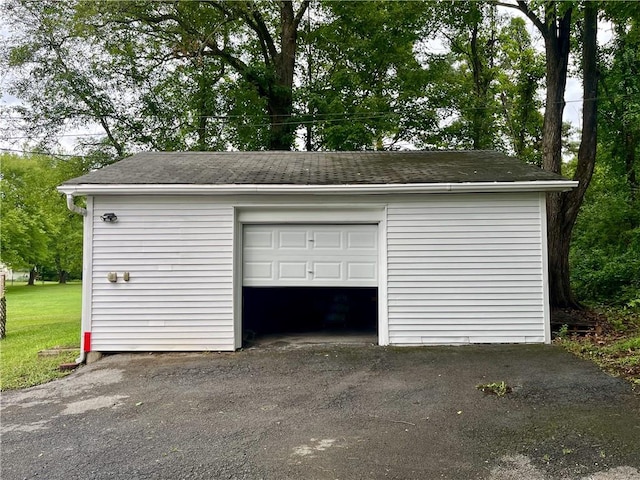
pixel 614 345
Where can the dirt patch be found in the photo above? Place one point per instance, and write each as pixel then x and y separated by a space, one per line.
pixel 612 341
pixel 579 321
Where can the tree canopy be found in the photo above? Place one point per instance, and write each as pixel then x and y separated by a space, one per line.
pixel 272 75
pixel 327 75
pixel 37 229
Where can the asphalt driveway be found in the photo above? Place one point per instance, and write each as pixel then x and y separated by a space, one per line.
pixel 326 412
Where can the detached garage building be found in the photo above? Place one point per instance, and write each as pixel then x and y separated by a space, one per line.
pixel 191 251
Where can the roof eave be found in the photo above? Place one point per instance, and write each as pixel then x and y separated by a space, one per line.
pixel 372 189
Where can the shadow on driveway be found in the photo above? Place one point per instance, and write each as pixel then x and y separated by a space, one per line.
pixel 327 412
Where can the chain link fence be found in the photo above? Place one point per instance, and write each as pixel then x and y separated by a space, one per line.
pixel 3 308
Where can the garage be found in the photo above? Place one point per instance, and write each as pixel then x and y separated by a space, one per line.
pixel 309 278
pixel 199 251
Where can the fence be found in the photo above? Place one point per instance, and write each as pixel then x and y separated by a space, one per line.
pixel 3 308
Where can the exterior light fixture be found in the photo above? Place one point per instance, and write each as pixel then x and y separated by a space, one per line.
pixel 109 217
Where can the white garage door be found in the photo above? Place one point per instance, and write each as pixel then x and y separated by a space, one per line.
pixel 310 255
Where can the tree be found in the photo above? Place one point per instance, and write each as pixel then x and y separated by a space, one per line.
pixel 162 75
pixel 554 20
pixel 65 227
pixel 620 106
pixel 37 229
pixel 257 40
pixel 366 89
pixel 487 88
pixel 60 86
pixel 97 54
pixel 605 252
pixel 471 29
pixel 520 72
pixel 213 75
pixel 24 241
pixel 605 249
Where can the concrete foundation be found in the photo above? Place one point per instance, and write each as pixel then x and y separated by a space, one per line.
pixel 93 357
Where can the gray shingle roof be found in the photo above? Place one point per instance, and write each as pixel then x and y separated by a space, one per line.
pixel 314 168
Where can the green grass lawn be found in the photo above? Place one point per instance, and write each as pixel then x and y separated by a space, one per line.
pixel 38 318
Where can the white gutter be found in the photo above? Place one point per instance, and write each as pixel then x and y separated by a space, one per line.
pixel 240 189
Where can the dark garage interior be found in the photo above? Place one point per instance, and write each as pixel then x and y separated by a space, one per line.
pixel 299 310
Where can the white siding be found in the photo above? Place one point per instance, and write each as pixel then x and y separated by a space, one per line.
pixel 179 254
pixel 458 268
pixel 466 269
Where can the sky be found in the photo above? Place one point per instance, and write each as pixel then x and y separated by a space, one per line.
pixel 572 111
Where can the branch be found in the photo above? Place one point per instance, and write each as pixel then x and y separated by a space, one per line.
pixel 94 107
pixel 524 8
pixel 564 28
pixel 456 47
pixel 588 143
pixel 262 31
pixel 232 61
pixel 210 42
pixel 300 14
pixel 252 18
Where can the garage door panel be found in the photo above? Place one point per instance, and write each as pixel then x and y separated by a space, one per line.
pixel 259 270
pixel 361 240
pixel 258 239
pixel 362 271
pixel 310 255
pixel 292 270
pixel 327 270
pixel 292 239
pixel 327 240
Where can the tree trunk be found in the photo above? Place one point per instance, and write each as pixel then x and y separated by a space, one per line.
pixel 568 203
pixel 481 116
pixel 588 142
pixel 557 44
pixel 562 208
pixel 478 114
pixel 280 99
pixel 202 113
pixel 558 244
pixel 32 276
pixel 280 107
pixel 62 276
pixel 630 164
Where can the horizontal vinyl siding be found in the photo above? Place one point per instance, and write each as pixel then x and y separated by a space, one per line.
pixel 465 269
pixel 179 253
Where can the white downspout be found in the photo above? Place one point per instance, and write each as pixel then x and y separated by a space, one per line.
pixel 73 207
pixel 80 211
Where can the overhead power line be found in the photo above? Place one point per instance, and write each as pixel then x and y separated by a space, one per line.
pixel 49 154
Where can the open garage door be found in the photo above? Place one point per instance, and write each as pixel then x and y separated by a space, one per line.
pixel 310 278
pixel 310 255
